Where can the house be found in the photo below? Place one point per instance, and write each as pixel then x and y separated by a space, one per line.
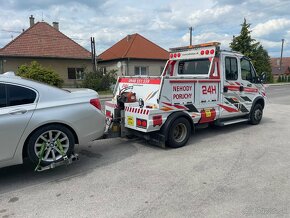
pixel 45 44
pixel 134 55
pixel 285 67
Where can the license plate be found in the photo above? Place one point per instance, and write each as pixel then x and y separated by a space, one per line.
pixel 130 121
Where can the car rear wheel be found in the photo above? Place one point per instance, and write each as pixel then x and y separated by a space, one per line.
pixel 54 140
pixel 256 114
pixel 179 133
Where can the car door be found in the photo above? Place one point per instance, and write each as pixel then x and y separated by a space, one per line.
pixel 17 104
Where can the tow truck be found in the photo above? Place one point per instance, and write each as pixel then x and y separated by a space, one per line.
pixel 200 85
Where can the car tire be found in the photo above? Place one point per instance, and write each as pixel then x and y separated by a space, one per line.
pixel 256 115
pixel 49 136
pixel 178 133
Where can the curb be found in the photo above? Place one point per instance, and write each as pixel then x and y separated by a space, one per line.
pixel 277 84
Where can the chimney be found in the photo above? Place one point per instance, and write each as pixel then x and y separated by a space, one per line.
pixel 31 20
pixel 55 25
pixel 128 38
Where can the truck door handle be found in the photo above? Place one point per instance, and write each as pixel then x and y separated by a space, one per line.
pixel 226 89
pixel 241 88
pixel 18 111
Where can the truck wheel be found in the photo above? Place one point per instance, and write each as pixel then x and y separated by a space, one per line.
pixel 179 133
pixel 256 115
pixel 48 136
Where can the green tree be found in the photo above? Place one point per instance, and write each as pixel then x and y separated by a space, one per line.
pixel 248 46
pixel 99 81
pixel 37 72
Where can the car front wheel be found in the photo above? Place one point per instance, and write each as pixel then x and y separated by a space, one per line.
pixel 50 144
pixel 256 114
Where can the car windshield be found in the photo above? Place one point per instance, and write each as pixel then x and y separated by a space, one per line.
pixel 194 67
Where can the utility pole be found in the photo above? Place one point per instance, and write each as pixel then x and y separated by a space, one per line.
pixel 190 34
pixel 93 51
pixel 281 54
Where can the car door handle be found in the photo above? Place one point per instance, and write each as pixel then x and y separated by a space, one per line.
pixel 18 111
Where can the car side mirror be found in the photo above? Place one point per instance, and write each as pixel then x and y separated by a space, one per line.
pixel 262 77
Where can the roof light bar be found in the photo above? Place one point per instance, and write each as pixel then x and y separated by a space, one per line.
pixel 195 46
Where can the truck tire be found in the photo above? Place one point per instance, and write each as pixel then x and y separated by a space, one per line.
pixel 48 135
pixel 256 114
pixel 178 133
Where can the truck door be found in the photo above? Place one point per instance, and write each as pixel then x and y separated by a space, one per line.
pixel 249 82
pixel 230 105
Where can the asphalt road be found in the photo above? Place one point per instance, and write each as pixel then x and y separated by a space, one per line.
pixel 233 171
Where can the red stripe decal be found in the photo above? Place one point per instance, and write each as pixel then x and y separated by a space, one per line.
pixel 141 111
pixel 182 81
pixel 233 88
pixel 147 112
pixel 140 80
pixel 138 111
pixel 167 104
pixel 180 107
pixel 246 89
pixel 228 109
pixel 209 81
pixel 144 111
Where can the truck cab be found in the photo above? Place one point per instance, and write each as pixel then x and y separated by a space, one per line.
pixel 200 84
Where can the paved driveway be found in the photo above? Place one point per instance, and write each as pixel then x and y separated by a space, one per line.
pixel 234 171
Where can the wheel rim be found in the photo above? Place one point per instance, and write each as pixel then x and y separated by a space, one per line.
pixel 50 139
pixel 180 132
pixel 258 115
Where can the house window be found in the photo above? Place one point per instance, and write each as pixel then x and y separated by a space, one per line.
pixel 141 71
pixel 103 70
pixel 75 73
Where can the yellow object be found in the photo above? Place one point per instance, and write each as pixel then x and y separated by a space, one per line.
pixel 207 113
pixel 130 121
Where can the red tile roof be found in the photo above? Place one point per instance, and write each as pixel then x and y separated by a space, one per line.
pixel 43 40
pixel 275 64
pixel 134 46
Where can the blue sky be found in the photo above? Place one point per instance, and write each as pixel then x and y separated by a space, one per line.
pixel 163 22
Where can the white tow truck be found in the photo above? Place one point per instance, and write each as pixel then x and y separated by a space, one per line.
pixel 200 85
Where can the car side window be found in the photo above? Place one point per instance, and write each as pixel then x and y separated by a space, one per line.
pixel 231 68
pixel 18 95
pixel 247 70
pixel 3 97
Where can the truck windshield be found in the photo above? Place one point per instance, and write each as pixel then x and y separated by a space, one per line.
pixel 194 67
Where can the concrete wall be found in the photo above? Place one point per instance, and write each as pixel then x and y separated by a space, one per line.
pixel 59 65
pixel 128 67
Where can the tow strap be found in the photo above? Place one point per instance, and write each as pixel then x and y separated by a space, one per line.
pixel 65 161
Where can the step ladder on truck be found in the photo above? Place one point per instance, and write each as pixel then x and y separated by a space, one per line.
pixel 200 85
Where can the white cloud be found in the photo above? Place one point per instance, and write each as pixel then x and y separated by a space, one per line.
pixel 165 22
pixel 271 26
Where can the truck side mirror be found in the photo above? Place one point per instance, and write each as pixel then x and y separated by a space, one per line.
pixel 262 77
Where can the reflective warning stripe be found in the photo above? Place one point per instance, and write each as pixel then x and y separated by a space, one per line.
pixel 136 110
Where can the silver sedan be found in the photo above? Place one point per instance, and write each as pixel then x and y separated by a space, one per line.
pixel 40 120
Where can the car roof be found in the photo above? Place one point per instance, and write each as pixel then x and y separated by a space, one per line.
pixel 44 90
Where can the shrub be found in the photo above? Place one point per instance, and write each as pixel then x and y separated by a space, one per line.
pixel 37 72
pixel 99 82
